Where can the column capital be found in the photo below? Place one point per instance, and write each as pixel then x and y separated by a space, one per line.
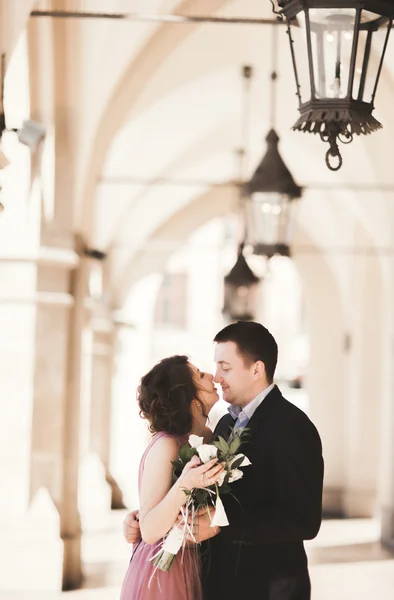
pixel 45 256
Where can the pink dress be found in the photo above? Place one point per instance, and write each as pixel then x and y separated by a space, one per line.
pixel 144 582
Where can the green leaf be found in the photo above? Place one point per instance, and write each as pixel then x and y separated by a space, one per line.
pixel 222 445
pixel 178 467
pixel 234 446
pixel 237 463
pixel 186 453
pixel 201 498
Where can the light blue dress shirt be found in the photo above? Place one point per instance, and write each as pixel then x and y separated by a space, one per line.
pixel 243 415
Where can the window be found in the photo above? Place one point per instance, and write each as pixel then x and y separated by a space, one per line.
pixel 171 301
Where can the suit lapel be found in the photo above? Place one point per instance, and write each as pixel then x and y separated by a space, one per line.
pixel 223 427
pixel 259 416
pixel 265 408
pixel 261 413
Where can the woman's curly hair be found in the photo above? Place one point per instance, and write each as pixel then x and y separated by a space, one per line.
pixel 165 396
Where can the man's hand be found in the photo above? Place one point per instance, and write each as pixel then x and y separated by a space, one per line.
pixel 131 527
pixel 202 529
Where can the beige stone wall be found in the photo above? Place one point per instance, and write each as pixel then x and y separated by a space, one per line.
pixel 129 107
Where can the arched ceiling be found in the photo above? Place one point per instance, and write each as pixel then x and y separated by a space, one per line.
pixel 165 101
pixel 13 20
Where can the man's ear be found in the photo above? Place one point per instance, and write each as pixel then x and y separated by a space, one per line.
pixel 259 369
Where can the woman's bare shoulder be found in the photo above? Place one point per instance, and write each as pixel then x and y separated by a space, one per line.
pixel 164 449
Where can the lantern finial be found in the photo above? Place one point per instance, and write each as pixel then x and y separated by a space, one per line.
pixel 272 175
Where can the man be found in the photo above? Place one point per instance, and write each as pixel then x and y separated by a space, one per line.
pixel 278 502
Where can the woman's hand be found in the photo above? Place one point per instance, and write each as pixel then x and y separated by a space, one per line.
pixel 131 528
pixel 197 475
pixel 200 526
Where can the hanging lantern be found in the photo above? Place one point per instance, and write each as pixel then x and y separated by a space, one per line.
pixel 269 203
pixel 240 291
pixel 344 43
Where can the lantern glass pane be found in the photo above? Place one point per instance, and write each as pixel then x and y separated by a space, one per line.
pixel 240 301
pixel 287 223
pixel 267 215
pixel 299 35
pixel 369 53
pixel 332 33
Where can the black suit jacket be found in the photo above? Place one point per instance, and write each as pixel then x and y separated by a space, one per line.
pixel 260 554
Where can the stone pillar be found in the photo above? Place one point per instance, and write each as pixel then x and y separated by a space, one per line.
pixel 70 526
pixel 387 454
pixel 325 381
pixel 18 232
pixel 365 386
pixel 386 474
pixel 56 414
pixel 17 314
pixel 102 368
pixel 54 93
pixel 133 358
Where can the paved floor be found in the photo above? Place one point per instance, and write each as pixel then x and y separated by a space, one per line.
pixel 346 561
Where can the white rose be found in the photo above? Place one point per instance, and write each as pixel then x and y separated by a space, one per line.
pixel 206 452
pixel 195 441
pixel 246 462
pixel 235 474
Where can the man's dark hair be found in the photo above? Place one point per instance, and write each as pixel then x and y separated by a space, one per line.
pixel 254 342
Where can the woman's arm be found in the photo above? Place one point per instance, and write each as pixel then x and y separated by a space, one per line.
pixel 160 501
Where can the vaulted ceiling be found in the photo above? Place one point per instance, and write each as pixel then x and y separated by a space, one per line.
pixel 159 100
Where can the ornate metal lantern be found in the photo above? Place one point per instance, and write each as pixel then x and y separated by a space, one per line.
pixel 269 203
pixel 240 291
pixel 344 43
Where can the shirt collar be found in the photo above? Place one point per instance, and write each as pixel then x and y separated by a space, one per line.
pixel 250 408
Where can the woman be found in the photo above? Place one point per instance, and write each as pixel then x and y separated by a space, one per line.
pixel 175 398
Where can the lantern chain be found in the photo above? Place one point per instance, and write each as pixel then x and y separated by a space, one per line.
pixel 274 75
pixel 247 73
pixel 333 133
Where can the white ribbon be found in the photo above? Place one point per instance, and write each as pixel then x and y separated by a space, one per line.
pixel 220 517
pixel 173 541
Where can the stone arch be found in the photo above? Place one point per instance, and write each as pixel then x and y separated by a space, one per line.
pixel 160 45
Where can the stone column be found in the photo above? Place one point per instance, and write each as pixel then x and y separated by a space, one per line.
pixel 102 369
pixel 365 386
pixel 17 314
pixel 387 461
pixel 54 54
pixel 56 414
pixel 325 381
pixel 70 527
pixel 386 474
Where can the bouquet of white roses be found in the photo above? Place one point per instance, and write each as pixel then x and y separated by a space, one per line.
pixel 202 498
